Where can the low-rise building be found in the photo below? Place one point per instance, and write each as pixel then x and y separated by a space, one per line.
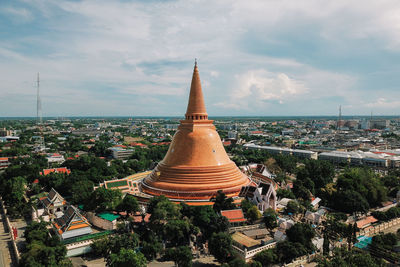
pixel 55 158
pixel 234 216
pixel 4 163
pixel 71 224
pixel 121 153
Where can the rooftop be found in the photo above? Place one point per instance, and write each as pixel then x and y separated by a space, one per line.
pixel 245 240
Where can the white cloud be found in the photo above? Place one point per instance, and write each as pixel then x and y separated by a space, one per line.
pixel 100 43
pixel 383 102
pixel 255 87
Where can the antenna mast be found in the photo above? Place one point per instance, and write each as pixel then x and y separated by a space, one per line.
pixel 39 103
pixel 340 118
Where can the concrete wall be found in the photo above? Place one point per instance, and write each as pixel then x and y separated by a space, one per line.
pixel 101 223
pixel 248 254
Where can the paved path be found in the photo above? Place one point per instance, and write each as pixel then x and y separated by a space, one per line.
pixel 5 243
pixel 20 224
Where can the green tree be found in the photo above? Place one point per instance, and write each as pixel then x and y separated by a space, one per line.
pixel 81 191
pixel 100 247
pixel 222 202
pixel 246 204
pixel 354 258
pixel 126 258
pixel 270 219
pixel 253 214
pixel 287 251
pixel 41 249
pixel 357 190
pixel 283 193
pixel 151 249
pixel 301 233
pixel 220 246
pixel 177 232
pixel 103 199
pixel 292 207
pixel 129 204
pixel 126 240
pixel 182 256
pixel 266 257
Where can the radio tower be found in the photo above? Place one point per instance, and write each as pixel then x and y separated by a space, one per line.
pixel 340 118
pixel 39 103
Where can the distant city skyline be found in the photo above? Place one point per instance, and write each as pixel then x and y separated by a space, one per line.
pixel 256 58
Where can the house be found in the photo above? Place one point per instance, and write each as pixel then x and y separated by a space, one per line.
pixel 283 203
pixel 245 242
pixel 315 202
pixel 315 217
pixel 50 207
pixel 367 221
pixel 257 233
pixel 234 216
pixel 284 223
pixel 55 158
pixel 279 236
pixel 71 224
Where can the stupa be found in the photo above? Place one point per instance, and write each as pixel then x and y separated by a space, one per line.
pixel 196 165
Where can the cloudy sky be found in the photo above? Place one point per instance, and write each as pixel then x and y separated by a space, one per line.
pixel 266 58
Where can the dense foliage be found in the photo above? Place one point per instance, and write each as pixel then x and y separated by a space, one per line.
pixel 41 249
pixel 350 258
pixel 356 190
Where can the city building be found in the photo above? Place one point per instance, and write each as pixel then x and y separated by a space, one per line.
pixel 286 151
pixel 121 153
pixel 379 124
pixel 55 158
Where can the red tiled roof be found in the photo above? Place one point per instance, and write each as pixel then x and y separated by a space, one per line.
pixel 161 143
pixel 3 159
pixel 137 144
pixel 364 222
pixel 233 215
pixel 227 143
pixel 56 170
pixel 138 218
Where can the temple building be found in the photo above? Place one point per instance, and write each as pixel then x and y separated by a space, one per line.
pixel 196 165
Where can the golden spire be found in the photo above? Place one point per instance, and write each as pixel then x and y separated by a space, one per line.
pixel 196 109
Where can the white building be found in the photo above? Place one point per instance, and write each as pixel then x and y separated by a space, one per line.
pixel 265 197
pixel 121 153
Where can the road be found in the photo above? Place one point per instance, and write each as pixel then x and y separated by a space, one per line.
pixel 5 243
